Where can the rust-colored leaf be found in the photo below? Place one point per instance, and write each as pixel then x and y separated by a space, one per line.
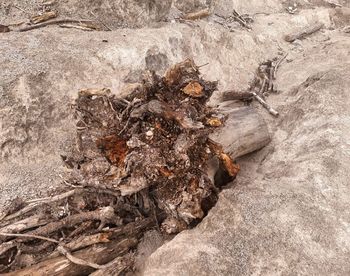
pixel 175 73
pixel 194 89
pixel 165 171
pixel 114 148
pixel 214 122
pixel 231 167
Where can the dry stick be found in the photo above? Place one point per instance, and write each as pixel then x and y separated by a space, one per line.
pixel 278 64
pixel 265 104
pixel 304 32
pixel 55 22
pixel 36 204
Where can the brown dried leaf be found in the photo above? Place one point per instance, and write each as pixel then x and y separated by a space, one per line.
pixel 231 167
pixel 175 73
pixel 43 17
pixel 114 148
pixel 214 122
pixel 165 172
pixel 194 89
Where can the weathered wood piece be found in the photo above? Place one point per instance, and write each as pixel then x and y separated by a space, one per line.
pixel 304 32
pixel 99 254
pixel 245 131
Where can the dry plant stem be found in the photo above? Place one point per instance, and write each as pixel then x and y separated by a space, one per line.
pixel 304 32
pixel 265 104
pixel 55 22
pixel 278 64
pixel 36 204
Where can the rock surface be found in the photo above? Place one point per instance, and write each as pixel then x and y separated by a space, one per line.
pixel 288 211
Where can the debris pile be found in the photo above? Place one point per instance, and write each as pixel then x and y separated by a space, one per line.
pixel 141 162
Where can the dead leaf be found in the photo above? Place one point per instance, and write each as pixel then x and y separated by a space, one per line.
pixel 194 89
pixel 175 73
pixel 214 122
pixel 230 167
pixel 114 148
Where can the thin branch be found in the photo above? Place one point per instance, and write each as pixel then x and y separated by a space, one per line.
pixel 265 104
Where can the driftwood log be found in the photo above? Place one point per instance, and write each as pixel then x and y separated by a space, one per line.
pixel 245 131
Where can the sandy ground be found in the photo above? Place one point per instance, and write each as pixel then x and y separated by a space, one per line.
pixel 288 211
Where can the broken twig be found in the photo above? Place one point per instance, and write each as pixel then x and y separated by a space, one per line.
pixel 265 104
